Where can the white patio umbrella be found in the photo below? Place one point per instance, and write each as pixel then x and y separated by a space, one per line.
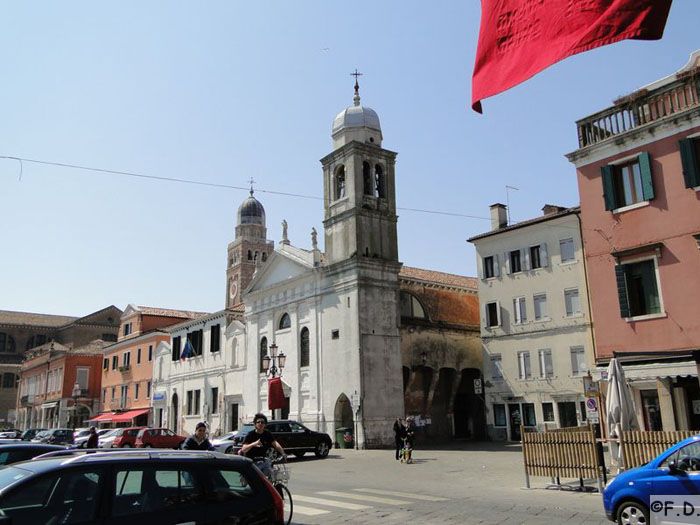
pixel 619 408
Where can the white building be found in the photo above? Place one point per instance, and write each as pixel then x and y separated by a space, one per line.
pixel 535 325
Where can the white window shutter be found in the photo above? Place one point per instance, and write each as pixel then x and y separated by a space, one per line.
pixel 525 258
pixel 506 262
pixel 480 266
pixel 544 259
pixel 496 266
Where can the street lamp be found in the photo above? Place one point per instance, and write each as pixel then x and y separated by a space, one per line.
pixel 75 394
pixel 273 362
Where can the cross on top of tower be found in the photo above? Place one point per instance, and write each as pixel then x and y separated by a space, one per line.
pixel 356 98
pixel 251 181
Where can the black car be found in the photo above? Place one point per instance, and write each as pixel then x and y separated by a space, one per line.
pixel 31 433
pixel 137 487
pixel 23 451
pixel 294 437
pixel 56 436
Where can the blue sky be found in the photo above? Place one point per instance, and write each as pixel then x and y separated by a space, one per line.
pixel 223 91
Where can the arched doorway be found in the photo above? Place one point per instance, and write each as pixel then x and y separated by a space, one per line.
pixel 174 413
pixel 468 406
pixel 343 414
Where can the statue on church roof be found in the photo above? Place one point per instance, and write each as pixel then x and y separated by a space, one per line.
pixel 285 239
pixel 314 239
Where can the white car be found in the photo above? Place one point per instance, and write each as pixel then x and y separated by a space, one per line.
pixel 224 444
pixel 108 438
pixel 80 440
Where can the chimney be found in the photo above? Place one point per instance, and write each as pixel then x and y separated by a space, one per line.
pixel 549 209
pixel 499 217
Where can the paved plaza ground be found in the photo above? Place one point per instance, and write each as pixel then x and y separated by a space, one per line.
pixel 471 483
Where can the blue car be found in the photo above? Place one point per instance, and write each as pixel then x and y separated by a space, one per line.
pixel 675 472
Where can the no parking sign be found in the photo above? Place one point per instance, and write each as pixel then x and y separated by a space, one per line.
pixel 592 414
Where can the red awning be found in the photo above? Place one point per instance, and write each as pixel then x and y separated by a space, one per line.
pixel 129 415
pixel 102 418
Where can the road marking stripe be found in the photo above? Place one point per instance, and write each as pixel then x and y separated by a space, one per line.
pixel 362 497
pixel 402 494
pixel 299 509
pixel 330 503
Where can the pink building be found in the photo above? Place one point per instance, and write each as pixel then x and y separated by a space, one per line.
pixel 638 170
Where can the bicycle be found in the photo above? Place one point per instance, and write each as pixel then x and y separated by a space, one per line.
pixel 275 470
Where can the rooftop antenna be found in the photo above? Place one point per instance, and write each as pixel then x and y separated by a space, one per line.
pixel 508 200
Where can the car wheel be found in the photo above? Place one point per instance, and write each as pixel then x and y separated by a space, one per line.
pixel 300 454
pixel 229 450
pixel 322 449
pixel 632 513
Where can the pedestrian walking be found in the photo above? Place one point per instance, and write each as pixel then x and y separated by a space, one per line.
pixel 93 440
pixel 399 435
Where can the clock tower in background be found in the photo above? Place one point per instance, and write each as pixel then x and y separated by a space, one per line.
pixel 249 249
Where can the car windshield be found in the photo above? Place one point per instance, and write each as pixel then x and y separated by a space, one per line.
pixel 103 431
pixel 111 433
pixel 10 475
pixel 43 434
pixel 228 436
pixel 82 433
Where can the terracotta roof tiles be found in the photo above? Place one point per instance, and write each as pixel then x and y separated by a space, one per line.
pixel 446 279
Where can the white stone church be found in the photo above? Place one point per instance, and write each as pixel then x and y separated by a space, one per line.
pixel 336 316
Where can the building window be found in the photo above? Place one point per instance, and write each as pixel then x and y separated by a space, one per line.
pixel 263 352
pixel 177 343
pixel 524 370
pixel 496 366
pixel 548 412
pixel 535 257
pixel 197 401
pixel 529 419
pixel 519 310
pixel 571 302
pixel 126 359
pixel 499 415
pixel 215 400
pixel 195 339
pixel 115 362
pixel 566 249
pixel 148 389
pixel 9 380
pixel 582 408
pixel 628 183
pixel 410 306
pixel 136 390
pixel 113 393
pixel 7 343
pixel 127 329
pixel 36 340
pixel 546 366
pixel 304 350
pixel 380 182
pixel 578 360
pixel 105 363
pixel 138 356
pixel 514 257
pixel 493 316
pixel 82 376
pixel 339 183
pixel 491 268
pixel 150 352
pixel 104 395
pixel 540 301
pixel 109 338
pixel 335 334
pixel 638 288
pixel 285 321
pixel 690 157
pixel 215 338
pixel 367 179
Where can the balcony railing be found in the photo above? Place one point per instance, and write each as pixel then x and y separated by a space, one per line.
pixel 641 108
pixel 125 368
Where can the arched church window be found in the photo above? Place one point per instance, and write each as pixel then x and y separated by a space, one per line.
pixel 340 182
pixel 250 255
pixel 367 179
pixel 304 353
pixel 263 352
pixel 411 306
pixel 380 183
pixel 285 321
pixel 36 340
pixel 255 257
pixel 264 257
pixel 7 343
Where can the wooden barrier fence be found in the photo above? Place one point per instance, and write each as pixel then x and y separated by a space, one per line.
pixel 561 453
pixel 641 446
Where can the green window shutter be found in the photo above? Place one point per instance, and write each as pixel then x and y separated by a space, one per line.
pixel 645 169
pixel 622 290
pixel 690 163
pixel 608 187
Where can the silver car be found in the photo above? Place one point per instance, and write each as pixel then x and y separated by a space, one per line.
pixel 224 444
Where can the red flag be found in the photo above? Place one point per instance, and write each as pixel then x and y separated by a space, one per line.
pixel 275 397
pixel 520 38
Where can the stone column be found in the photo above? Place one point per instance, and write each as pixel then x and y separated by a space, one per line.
pixel 663 388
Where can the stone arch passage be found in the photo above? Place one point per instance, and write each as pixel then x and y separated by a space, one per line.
pixel 343 413
pixel 440 409
pixel 469 407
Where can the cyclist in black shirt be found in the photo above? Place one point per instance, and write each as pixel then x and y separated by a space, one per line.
pixel 260 441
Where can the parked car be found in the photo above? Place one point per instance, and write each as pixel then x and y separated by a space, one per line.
pixel 13 453
pixel 80 441
pixel 675 472
pixel 12 433
pixel 106 439
pixel 224 443
pixel 294 437
pixel 141 489
pixel 126 437
pixel 31 433
pixel 158 438
pixel 56 436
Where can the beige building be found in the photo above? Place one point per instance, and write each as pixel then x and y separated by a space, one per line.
pixel 535 321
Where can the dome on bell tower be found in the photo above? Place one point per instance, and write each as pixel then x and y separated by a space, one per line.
pixel 251 211
pixel 356 122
